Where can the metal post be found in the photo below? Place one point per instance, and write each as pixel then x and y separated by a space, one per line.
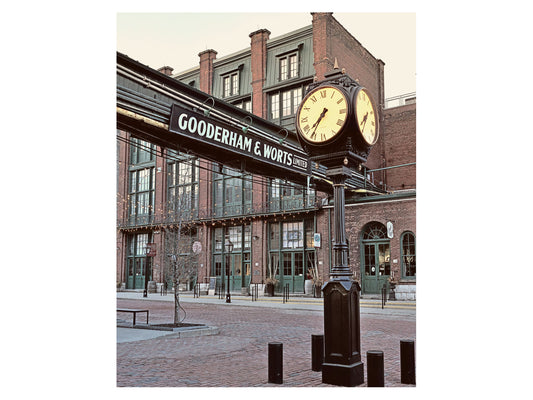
pixel 275 362
pixel 375 371
pixel 407 361
pixel 317 352
pixel 342 329
pixel 228 295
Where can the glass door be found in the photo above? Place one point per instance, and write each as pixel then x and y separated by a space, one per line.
pixel 376 268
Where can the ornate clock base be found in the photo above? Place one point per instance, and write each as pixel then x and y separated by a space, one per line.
pixel 343 375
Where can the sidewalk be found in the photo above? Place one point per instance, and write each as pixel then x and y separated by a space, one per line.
pixel 296 302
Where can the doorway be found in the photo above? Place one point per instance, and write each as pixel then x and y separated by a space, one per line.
pixel 375 262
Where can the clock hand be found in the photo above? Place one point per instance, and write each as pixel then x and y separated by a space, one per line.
pixel 315 125
pixel 364 121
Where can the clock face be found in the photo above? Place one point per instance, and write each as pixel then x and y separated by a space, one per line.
pixel 322 114
pixel 366 117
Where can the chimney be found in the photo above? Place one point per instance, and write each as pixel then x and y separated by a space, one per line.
pixel 206 70
pixel 166 70
pixel 258 65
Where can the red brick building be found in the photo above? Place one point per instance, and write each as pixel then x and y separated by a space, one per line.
pixel 271 222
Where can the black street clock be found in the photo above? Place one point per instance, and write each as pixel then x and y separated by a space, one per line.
pixel 337 120
pixel 322 114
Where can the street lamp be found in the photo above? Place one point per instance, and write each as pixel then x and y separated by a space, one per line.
pixel 229 248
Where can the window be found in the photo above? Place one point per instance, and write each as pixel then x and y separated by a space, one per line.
pixel 182 185
pixel 274 106
pixel 408 255
pixel 241 238
pixel 293 235
pixel 245 105
pixel 141 151
pixel 232 193
pixel 230 85
pixel 285 196
pixel 141 195
pixel 288 66
pixel 286 101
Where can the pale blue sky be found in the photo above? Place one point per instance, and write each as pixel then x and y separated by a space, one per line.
pixel 175 39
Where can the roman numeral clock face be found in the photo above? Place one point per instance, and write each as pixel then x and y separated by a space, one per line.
pixel 322 114
pixel 366 117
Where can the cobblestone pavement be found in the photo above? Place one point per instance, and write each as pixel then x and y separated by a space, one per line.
pixel 238 355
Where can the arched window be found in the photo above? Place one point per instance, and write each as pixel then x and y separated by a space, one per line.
pixel 375 231
pixel 408 255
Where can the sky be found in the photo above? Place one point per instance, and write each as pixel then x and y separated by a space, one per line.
pixel 175 39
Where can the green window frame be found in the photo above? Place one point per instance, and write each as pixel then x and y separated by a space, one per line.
pixel 286 196
pixel 141 195
pixel 408 255
pixel 182 187
pixel 141 151
pixel 232 192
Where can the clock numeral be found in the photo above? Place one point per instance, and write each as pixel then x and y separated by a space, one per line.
pixel 373 123
pixel 332 94
pixel 343 111
pixel 313 99
pixel 303 120
pixel 323 93
pixel 306 128
pixel 323 136
pixel 340 122
pixel 306 108
pixel 340 100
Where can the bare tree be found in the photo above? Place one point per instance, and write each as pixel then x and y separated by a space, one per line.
pixel 180 263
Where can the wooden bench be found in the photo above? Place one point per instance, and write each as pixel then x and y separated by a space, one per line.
pixel 134 312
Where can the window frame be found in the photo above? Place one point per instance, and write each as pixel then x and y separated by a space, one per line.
pixel 288 66
pixel 231 84
pixel 403 237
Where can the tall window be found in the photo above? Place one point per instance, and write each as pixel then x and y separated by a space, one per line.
pixel 408 255
pixel 285 196
pixel 290 249
pixel 288 66
pixel 232 193
pixel 284 104
pixel 141 195
pixel 141 151
pixel 230 85
pixel 293 235
pixel 182 184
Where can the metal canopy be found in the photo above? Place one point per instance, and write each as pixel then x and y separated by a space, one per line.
pixel 144 103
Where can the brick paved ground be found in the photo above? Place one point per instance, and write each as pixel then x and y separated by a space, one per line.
pixel 238 356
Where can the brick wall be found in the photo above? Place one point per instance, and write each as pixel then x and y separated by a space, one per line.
pixel 402 214
pixel 399 129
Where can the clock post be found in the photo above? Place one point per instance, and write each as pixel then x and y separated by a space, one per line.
pixel 342 331
pixel 337 124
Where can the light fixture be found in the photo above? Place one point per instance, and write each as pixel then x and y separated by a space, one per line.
pixel 282 140
pixel 245 128
pixel 208 111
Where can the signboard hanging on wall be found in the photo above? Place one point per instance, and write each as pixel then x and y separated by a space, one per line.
pixel 222 135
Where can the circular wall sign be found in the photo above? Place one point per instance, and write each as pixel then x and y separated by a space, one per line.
pixel 197 247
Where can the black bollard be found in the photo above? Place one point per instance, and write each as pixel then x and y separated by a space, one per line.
pixel 375 372
pixel 275 362
pixel 407 361
pixel 317 352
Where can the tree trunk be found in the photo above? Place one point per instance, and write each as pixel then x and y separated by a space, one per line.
pixel 176 304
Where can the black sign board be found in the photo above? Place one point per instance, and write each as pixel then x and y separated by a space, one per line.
pixel 222 135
